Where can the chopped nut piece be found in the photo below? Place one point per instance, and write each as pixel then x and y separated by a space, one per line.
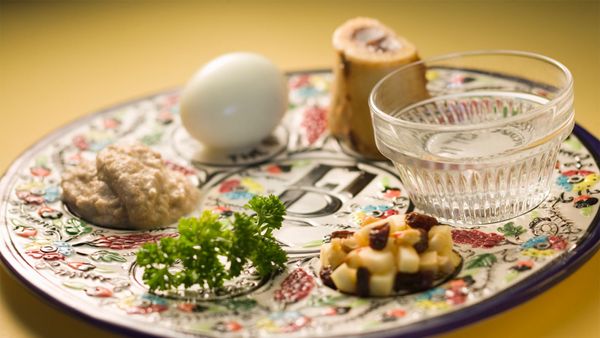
pixel 407 237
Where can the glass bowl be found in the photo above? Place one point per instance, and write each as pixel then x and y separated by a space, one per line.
pixel 475 153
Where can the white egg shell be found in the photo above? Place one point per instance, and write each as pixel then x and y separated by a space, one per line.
pixel 234 101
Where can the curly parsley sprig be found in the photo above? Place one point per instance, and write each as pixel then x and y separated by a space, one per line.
pixel 203 242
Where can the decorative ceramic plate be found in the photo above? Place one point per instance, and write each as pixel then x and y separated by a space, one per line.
pixel 91 271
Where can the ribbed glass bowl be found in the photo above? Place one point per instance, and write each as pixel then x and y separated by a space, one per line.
pixel 475 154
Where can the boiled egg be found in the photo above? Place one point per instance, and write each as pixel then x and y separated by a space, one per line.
pixel 234 101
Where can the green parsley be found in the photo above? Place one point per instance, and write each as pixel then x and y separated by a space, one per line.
pixel 212 250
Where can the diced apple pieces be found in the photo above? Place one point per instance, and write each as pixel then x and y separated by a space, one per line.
pixel 324 254
pixel 429 261
pixel 376 261
pixel 382 285
pixel 362 236
pixel 440 240
pixel 349 244
pixel 368 262
pixel 397 223
pixel 368 220
pixel 374 224
pixel 344 278
pixel 336 258
pixel 407 259
pixel 353 260
pixel 332 254
pixel 407 237
pixel 445 264
pixel 391 247
pixel 438 229
pixel 449 266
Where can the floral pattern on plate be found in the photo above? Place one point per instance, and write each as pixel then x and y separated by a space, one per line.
pixel 92 269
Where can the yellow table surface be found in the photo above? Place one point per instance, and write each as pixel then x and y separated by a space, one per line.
pixel 59 61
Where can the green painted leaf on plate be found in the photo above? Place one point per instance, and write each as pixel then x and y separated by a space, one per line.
pixel 107 256
pixel 76 227
pixel 511 230
pixel 482 260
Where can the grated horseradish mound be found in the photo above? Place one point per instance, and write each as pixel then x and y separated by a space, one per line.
pixel 128 187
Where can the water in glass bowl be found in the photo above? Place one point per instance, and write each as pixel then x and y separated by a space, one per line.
pixel 474 175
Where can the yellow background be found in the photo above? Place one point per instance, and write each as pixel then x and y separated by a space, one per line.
pixel 61 60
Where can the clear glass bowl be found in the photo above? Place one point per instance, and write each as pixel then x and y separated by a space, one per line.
pixel 475 152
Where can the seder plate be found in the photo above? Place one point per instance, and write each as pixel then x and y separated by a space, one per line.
pixel 91 271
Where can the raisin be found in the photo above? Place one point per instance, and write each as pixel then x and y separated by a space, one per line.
pixel 325 275
pixel 414 281
pixel 405 281
pixel 362 281
pixel 420 221
pixel 341 234
pixel 423 242
pixel 378 236
pixel 426 279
